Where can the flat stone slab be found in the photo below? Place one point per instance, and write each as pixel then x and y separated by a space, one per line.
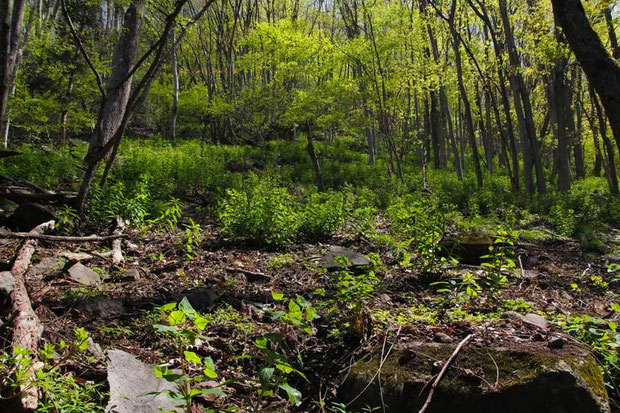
pixel 356 260
pixel 130 380
pixel 532 380
pixel 102 308
pixel 201 298
pixel 83 275
pixel 536 320
pixel 47 266
pixel 7 285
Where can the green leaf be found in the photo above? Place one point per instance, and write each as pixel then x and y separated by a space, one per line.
pixel 200 323
pixel 176 317
pixel 186 307
pixel 277 296
pixel 209 370
pixel 311 314
pixel 192 357
pixel 167 307
pixel 265 374
pixel 294 395
pixel 160 328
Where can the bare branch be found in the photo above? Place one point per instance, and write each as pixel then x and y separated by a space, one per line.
pixel 80 46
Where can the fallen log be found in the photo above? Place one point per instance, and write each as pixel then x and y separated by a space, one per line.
pixel 27 328
pixel 27 196
pixel 60 238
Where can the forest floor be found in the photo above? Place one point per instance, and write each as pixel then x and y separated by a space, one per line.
pixel 553 278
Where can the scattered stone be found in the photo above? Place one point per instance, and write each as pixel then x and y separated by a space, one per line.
pixel 131 274
pixel 442 338
pixel 130 382
pixel 556 342
pixel 536 320
pixel 201 298
pixel 356 259
pixel 102 308
pixel 467 248
pixel 7 206
pixel 131 246
pixel 512 316
pixel 538 381
pixel 7 285
pixel 384 298
pixel 76 256
pixel 83 275
pixel 529 274
pixel 29 215
pixel 46 267
pixel 95 349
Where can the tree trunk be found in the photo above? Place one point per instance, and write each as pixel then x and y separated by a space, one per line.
pixel 601 69
pixel 115 102
pixel 11 18
pixel 172 125
pixel 314 159
pixel 469 122
pixel 523 108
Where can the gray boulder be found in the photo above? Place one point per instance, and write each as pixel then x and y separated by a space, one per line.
pixel 201 298
pixel 81 274
pixel 47 266
pixel 29 215
pixel 102 308
pixel 528 381
pixel 356 260
pixel 7 206
pixel 130 380
pixel 7 285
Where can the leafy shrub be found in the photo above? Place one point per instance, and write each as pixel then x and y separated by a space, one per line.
pixel 418 220
pixel 261 213
pixel 324 214
pixel 133 205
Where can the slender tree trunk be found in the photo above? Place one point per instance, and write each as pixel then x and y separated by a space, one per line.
pixel 469 122
pixel 172 124
pixel 11 18
pixel 314 158
pixel 601 69
pixel 610 170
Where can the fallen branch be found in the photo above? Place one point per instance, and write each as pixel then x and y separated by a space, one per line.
pixel 443 371
pixel 250 275
pixel 27 196
pixel 60 238
pixel 117 252
pixel 27 328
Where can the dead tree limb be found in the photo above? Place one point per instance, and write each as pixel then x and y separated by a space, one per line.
pixel 60 238
pixel 27 328
pixel 117 252
pixel 443 371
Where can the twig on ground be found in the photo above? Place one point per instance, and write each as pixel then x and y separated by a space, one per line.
pixel 443 371
pixel 60 238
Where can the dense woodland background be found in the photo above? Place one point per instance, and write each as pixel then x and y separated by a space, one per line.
pixel 467 148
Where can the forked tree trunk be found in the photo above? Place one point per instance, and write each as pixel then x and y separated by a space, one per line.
pixel 114 104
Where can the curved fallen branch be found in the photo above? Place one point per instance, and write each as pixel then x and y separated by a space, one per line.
pixel 443 371
pixel 60 238
pixel 27 328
